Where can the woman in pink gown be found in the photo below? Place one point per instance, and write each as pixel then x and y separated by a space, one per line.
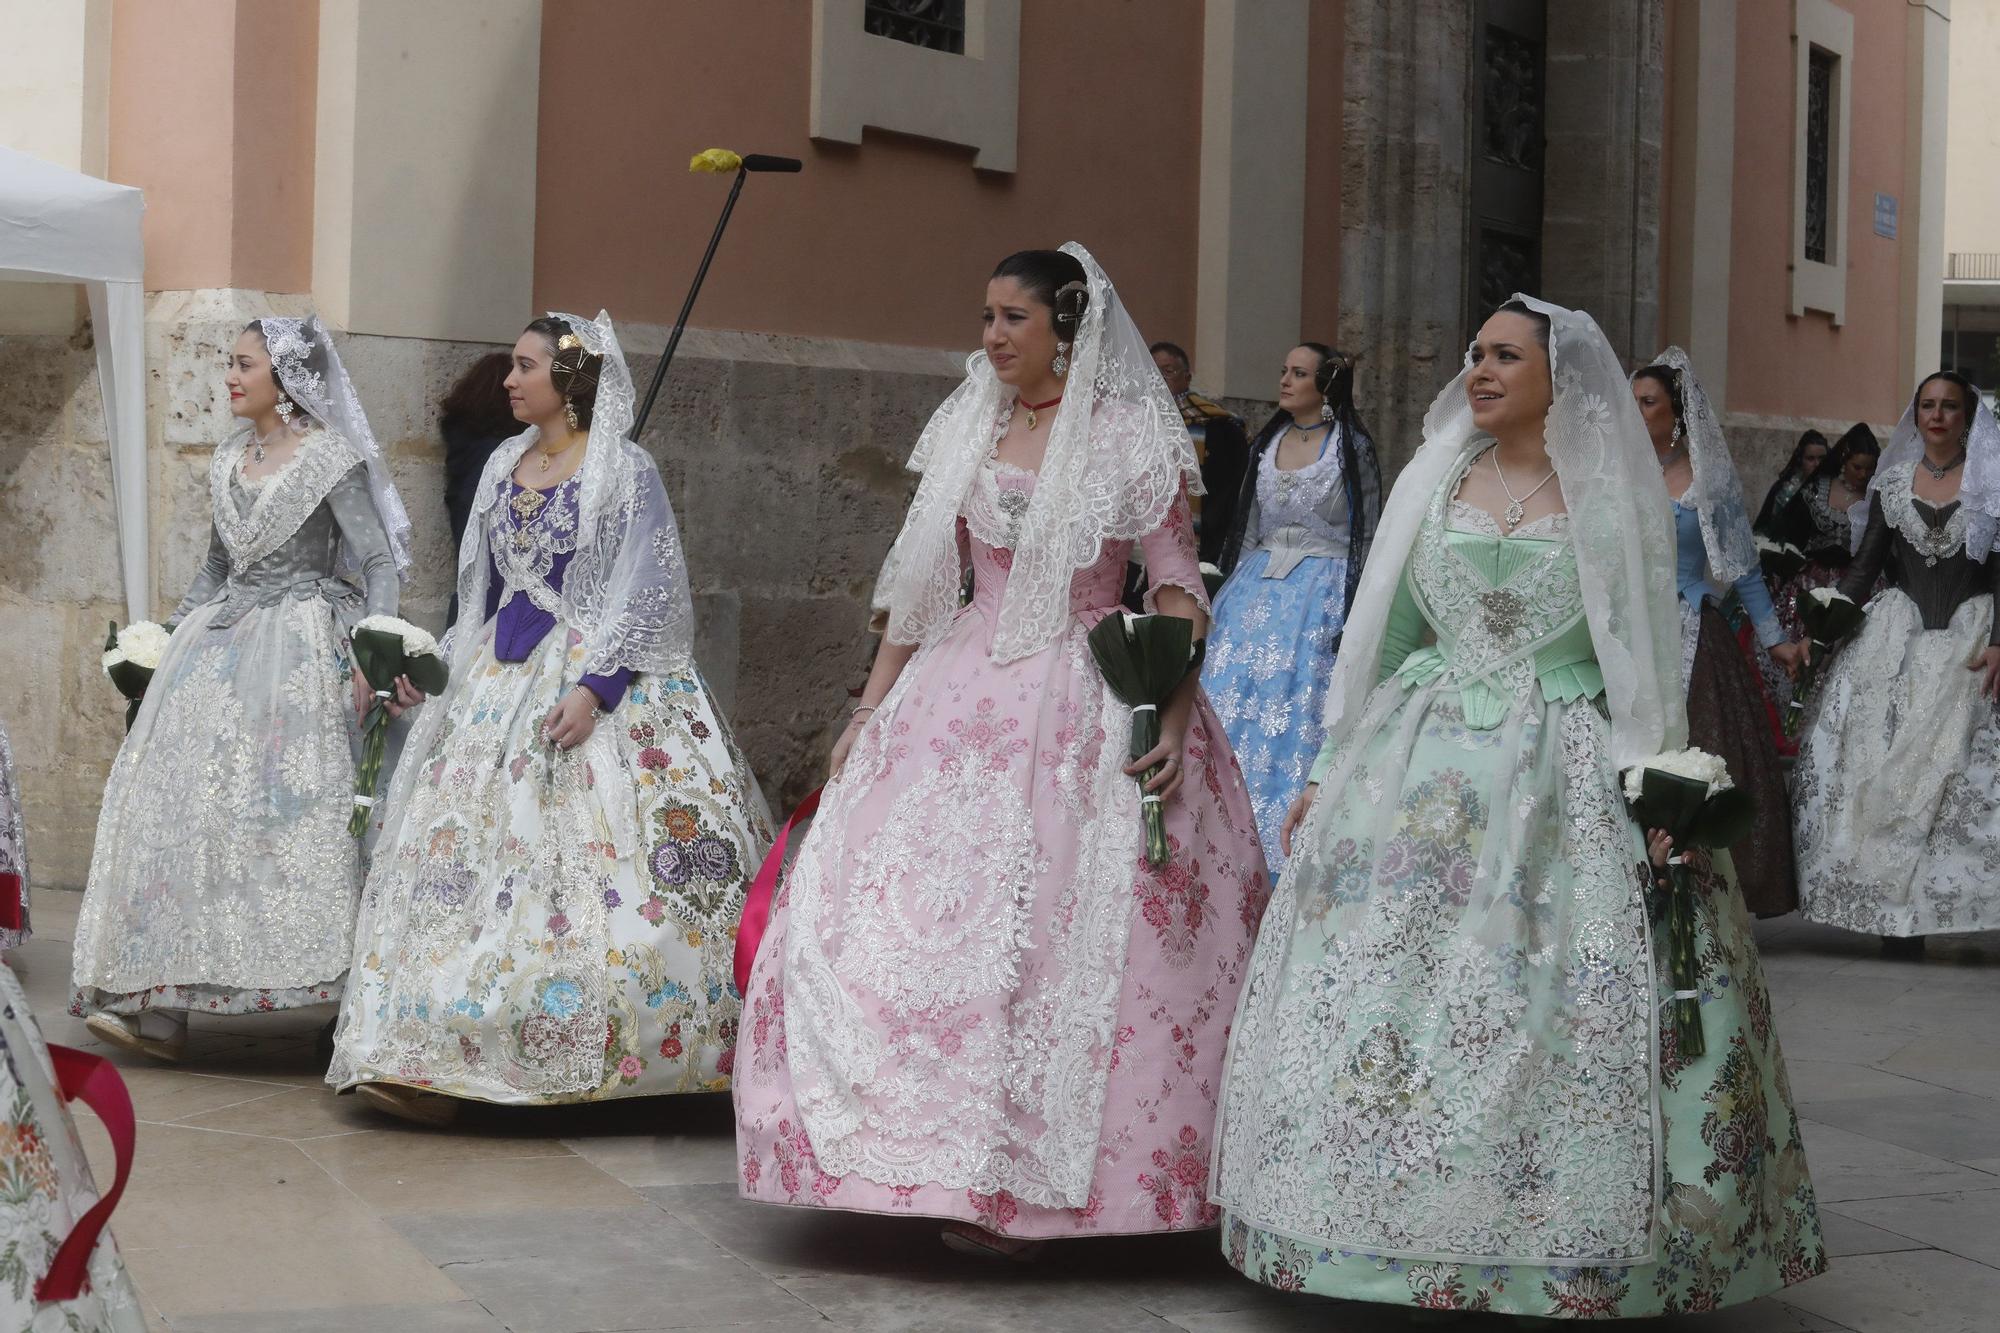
pixel 976 999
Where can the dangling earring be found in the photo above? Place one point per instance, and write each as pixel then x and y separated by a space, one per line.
pixel 1679 430
pixel 1061 364
pixel 1325 410
pixel 569 414
pixel 285 409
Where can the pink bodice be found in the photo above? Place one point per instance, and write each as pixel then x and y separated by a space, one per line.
pixel 1094 592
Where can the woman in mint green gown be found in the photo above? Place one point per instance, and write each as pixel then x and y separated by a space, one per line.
pixel 1448 1083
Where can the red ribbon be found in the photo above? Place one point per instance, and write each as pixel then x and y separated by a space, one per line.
pixel 92 1080
pixel 757 903
pixel 12 892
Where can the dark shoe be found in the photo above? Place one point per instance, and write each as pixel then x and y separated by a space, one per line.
pixel 1909 948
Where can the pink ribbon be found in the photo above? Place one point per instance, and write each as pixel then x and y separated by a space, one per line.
pixel 757 903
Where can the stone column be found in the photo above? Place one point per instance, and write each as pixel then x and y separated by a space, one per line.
pixel 1250 268
pixel 1601 210
pixel 1403 186
pixel 1926 71
pixel 1701 189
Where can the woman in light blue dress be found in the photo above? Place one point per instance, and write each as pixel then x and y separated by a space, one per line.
pixel 1293 556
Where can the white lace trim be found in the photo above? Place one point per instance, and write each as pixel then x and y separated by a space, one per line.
pixel 284 500
pixel 915 931
pixel 1117 458
pixel 1717 492
pixel 1898 498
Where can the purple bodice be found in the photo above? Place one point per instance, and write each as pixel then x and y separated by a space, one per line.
pixel 521 625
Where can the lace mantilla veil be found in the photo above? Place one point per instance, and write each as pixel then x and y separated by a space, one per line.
pixel 1618 524
pixel 625 590
pixel 1978 488
pixel 309 368
pixel 1118 457
pixel 1717 492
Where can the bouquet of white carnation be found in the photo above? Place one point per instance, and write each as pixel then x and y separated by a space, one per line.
pixel 131 655
pixel 385 648
pixel 1694 765
pixel 1780 560
pixel 1829 615
pixel 1689 795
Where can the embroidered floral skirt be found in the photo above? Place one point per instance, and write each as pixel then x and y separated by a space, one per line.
pixel 1448 1080
pixel 542 926
pixel 1270 656
pixel 1896 794
pixel 1002 1015
pixel 223 878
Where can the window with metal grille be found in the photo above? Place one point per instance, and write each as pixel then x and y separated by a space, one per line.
pixel 936 25
pixel 1819 150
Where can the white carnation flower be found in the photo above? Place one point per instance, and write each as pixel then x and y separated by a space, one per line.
pixel 141 643
pixel 417 642
pixel 1696 765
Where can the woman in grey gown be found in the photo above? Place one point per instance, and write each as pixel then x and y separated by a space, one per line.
pixel 224 879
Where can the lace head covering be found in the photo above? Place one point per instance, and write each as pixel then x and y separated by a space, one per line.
pixel 1118 457
pixel 309 371
pixel 1791 478
pixel 1618 525
pixel 625 590
pixel 1978 485
pixel 1717 492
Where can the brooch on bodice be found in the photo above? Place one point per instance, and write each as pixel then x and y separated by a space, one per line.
pixel 1503 611
pixel 1934 543
pixel 526 504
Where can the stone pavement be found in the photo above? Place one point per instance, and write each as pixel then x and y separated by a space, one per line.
pixel 263 1204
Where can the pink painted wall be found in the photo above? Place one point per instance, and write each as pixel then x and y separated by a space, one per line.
pixel 212 109
pixel 1780 365
pixel 890 241
pixel 277 76
pixel 173 118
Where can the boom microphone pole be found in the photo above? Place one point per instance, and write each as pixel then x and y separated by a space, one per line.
pixel 719 160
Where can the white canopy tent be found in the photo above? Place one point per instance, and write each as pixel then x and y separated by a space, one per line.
pixel 62 226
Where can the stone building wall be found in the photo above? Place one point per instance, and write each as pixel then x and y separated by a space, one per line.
pixel 783 457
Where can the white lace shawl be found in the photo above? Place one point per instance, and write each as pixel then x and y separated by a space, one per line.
pixel 1620 525
pixel 1717 492
pixel 1118 456
pixel 626 587
pixel 309 367
pixel 281 503
pixel 1978 486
